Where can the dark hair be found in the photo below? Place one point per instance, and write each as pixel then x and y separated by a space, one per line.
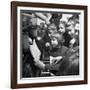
pixel 52 24
pixel 55 18
pixel 75 16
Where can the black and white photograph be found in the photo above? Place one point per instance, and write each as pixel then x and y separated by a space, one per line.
pixel 49 43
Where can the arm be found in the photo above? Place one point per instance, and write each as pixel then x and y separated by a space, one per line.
pixel 43 17
pixel 36 55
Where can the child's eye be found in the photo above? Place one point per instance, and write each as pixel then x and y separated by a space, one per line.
pixel 61 27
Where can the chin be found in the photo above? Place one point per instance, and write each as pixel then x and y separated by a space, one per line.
pixel 54 46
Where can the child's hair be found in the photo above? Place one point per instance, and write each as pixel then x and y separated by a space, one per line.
pixel 62 22
pixel 52 24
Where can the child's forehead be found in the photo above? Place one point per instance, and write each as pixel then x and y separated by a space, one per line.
pixel 61 24
pixel 52 26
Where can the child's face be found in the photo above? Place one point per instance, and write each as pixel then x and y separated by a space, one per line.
pixel 77 28
pixel 61 28
pixel 51 30
pixel 34 21
pixel 54 42
pixel 71 30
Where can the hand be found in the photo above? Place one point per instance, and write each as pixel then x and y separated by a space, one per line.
pixel 40 64
pixel 47 21
pixel 47 44
pixel 55 60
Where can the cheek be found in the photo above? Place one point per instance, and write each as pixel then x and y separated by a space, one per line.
pixel 49 35
pixel 63 30
pixel 72 32
pixel 54 42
